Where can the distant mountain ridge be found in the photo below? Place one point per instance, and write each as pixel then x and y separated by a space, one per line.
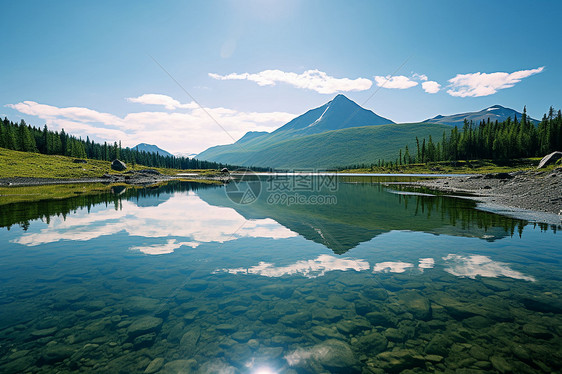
pixel 340 133
pixel 495 112
pixel 151 148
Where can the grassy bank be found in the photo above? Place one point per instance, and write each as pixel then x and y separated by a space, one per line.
pixel 34 165
pixel 458 167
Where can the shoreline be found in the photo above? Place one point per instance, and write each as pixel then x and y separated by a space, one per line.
pixel 145 177
pixel 532 195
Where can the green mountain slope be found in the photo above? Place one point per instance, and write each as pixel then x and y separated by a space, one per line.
pixel 329 149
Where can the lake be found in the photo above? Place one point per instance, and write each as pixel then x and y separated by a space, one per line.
pixel 276 274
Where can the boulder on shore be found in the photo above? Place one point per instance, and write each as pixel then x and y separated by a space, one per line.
pixel 550 159
pixel 118 165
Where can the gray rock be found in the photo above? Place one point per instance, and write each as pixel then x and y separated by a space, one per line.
pixel 500 364
pixel 55 353
pixel 118 165
pixel 179 367
pixel 144 325
pixel 399 360
pixel 550 159
pixel 536 331
pixel 43 332
pixel 154 365
pixel 143 341
pixel 380 319
pixel 373 343
pixel 189 340
pixel 416 304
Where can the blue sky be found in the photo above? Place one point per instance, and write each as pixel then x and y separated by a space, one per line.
pixel 253 65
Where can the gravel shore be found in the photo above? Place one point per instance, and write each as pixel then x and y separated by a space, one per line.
pixel 535 190
pixel 137 177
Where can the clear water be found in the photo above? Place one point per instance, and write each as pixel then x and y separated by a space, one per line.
pixel 180 278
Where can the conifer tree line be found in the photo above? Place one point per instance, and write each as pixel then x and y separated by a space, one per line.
pixel 23 137
pixel 497 141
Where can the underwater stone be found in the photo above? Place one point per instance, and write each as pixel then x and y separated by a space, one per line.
pixel 439 345
pixel 416 304
pixel 380 319
pixel 56 353
pixel 341 355
pixel 253 343
pixel 179 367
pixel 353 326
pixel 143 341
pixel 477 322
pixel 394 335
pixel 501 364
pixel 536 331
pixel 295 319
pixel 140 304
pixel 328 315
pixel 44 332
pixel 479 353
pixel 189 340
pixel 226 327
pixel 154 365
pixel 242 336
pixel 399 360
pixel 144 325
pixel 372 343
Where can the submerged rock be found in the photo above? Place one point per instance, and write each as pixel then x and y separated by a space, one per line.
pixel 371 343
pixel 416 304
pixel 154 365
pixel 399 360
pixel 144 325
pixel 332 355
pixel 189 340
pixel 179 367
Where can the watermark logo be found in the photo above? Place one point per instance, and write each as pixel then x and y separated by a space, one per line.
pixel 244 187
pixel 302 187
pixel 295 187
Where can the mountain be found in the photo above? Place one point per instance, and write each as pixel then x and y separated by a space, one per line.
pixel 339 113
pixel 495 112
pixel 338 133
pixel 151 148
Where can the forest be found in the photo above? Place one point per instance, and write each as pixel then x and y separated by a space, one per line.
pixel 496 141
pixel 26 138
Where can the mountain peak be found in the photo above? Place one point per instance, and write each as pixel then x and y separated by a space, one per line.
pixel 151 148
pixel 337 114
pixel 494 113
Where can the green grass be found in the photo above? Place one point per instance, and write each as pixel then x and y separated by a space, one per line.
pixel 26 164
pixel 10 195
pixel 356 145
pixel 459 167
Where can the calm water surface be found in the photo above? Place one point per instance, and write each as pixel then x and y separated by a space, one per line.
pixel 353 278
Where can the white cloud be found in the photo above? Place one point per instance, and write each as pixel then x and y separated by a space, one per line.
pixel 183 215
pixel 431 87
pixel 476 265
pixel 160 249
pixel 188 131
pixel 421 77
pixel 397 81
pixel 315 80
pixel 307 268
pixel 426 263
pixel 164 100
pixel 484 84
pixel 392 266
